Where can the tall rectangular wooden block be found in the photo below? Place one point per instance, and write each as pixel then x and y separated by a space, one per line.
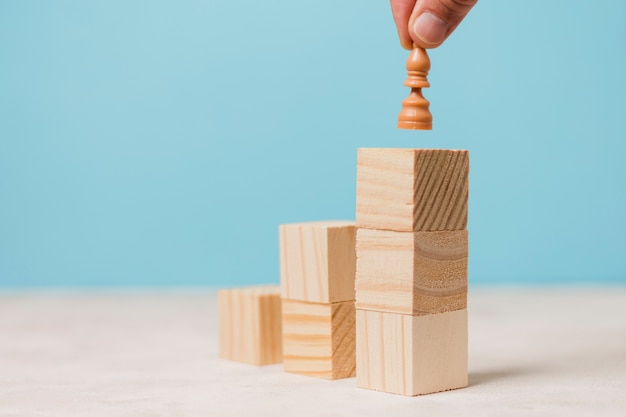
pixel 411 355
pixel 250 325
pixel 411 272
pixel 318 261
pixel 412 189
pixel 319 338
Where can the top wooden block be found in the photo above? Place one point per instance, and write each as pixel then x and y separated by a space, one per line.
pixel 318 261
pixel 412 189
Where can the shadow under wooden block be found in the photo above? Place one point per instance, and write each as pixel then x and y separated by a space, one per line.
pixel 411 355
pixel 319 339
pixel 412 189
pixel 317 261
pixel 411 272
pixel 250 325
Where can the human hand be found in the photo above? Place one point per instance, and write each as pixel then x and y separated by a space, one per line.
pixel 427 23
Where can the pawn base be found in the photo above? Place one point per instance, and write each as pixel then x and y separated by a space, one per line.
pixel 414 125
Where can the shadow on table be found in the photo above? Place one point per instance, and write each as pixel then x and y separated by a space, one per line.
pixel 484 377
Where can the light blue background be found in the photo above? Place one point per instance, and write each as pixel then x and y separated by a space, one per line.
pixel 161 143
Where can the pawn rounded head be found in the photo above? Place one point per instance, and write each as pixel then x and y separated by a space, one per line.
pixel 418 60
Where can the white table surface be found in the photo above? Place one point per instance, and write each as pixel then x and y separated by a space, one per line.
pixel 533 351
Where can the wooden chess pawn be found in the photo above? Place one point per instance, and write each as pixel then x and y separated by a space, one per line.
pixel 415 113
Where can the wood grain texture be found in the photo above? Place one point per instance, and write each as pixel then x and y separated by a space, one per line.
pixel 318 261
pixel 411 272
pixel 250 325
pixel 412 189
pixel 319 338
pixel 411 355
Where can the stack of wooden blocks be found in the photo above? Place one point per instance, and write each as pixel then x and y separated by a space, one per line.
pixel 411 277
pixel 317 270
pixel 408 252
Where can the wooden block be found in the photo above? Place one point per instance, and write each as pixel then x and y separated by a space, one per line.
pixel 412 189
pixel 250 325
pixel 411 272
pixel 411 355
pixel 319 339
pixel 317 261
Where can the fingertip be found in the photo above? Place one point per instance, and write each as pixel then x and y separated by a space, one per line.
pixel 405 37
pixel 428 30
pixel 402 10
pixel 419 43
pixel 406 42
pixel 433 21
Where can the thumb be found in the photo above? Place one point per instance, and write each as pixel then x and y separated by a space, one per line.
pixel 432 21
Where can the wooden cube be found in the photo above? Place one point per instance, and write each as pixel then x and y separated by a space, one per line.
pixel 317 261
pixel 411 355
pixel 250 325
pixel 412 189
pixel 319 339
pixel 411 272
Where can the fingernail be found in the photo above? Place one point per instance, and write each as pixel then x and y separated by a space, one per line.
pixel 429 28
